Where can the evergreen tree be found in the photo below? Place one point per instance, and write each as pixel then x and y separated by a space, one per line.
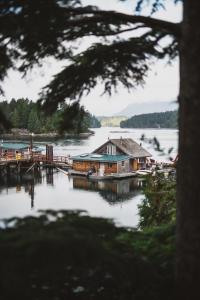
pixel 15 119
pixel 34 124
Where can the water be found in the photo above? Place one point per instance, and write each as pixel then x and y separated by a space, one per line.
pixel 117 199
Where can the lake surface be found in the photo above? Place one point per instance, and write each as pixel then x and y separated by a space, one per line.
pixel 117 199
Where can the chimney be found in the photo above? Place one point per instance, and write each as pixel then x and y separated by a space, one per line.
pixel 121 140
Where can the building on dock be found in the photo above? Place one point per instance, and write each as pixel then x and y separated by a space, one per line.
pixel 12 148
pixel 116 156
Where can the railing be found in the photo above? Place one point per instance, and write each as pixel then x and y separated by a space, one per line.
pixel 10 156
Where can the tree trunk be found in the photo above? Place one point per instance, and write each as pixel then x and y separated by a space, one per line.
pixel 188 192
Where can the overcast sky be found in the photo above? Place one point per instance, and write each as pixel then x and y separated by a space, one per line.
pixel 161 85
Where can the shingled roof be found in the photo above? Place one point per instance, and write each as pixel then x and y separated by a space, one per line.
pixel 129 147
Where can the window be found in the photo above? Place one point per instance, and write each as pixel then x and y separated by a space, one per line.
pixel 111 149
pixel 142 160
pixel 110 165
pixel 123 163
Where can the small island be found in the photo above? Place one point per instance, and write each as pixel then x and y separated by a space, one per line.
pixel 26 118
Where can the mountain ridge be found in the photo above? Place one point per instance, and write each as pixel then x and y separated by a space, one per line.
pixel 137 108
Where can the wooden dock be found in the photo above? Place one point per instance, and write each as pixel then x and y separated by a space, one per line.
pixel 18 163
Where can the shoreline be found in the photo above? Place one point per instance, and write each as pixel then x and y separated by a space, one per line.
pixel 45 136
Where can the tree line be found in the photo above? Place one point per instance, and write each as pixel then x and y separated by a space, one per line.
pixel 25 114
pixel 168 119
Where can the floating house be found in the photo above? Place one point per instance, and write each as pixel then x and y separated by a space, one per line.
pixel 116 156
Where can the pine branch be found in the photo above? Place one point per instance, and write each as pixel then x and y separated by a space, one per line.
pixel 113 17
pixel 125 62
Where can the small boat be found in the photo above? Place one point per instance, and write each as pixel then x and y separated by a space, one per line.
pixel 143 172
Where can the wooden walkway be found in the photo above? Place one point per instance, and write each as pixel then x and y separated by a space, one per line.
pixel 35 158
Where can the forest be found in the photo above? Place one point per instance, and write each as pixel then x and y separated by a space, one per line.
pixel 25 114
pixel 168 119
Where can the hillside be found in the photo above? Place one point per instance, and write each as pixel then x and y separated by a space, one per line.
pixel 111 121
pixel 166 119
pixel 137 108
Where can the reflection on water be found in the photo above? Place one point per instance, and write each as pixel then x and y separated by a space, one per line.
pixel 50 189
pixel 114 192
pixel 26 183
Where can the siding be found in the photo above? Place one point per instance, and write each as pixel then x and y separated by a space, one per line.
pixel 134 164
pixel 104 149
pixel 110 168
pixel 84 166
pixel 123 168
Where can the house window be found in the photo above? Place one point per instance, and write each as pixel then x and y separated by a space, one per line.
pixel 142 160
pixel 123 163
pixel 111 149
pixel 110 165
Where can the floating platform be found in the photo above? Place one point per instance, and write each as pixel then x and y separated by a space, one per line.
pixel 104 177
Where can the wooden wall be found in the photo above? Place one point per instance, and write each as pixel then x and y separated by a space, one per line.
pixel 103 150
pixel 123 167
pixel 110 168
pixel 134 164
pixel 84 166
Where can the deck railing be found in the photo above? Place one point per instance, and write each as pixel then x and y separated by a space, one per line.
pixel 10 156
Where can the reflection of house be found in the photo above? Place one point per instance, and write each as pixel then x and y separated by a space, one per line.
pixel 112 191
pixel 114 156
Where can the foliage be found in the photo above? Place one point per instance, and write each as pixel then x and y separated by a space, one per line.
pixel 24 113
pixel 93 122
pixel 61 255
pixel 166 119
pixel 29 34
pixel 159 205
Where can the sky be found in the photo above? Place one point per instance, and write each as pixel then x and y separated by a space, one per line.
pixel 162 83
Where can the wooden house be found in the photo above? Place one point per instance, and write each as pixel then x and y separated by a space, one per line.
pixel 114 156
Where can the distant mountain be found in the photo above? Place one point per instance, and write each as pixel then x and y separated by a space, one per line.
pixel 147 107
pixel 111 121
pixel 166 119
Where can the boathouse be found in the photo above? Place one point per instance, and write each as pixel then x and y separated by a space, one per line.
pixel 114 156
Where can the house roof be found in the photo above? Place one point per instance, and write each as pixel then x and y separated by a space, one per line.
pixel 18 146
pixel 100 158
pixel 14 146
pixel 128 147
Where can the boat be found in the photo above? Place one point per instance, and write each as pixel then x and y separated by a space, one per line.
pixel 143 172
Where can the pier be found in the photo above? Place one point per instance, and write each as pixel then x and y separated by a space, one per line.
pixel 13 163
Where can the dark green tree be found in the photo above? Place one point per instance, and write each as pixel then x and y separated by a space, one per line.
pixel 32 30
pixel 15 119
pixel 34 124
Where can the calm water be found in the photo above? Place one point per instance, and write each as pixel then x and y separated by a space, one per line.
pixel 117 200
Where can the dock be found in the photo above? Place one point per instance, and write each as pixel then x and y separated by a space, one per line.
pixel 104 177
pixel 17 164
